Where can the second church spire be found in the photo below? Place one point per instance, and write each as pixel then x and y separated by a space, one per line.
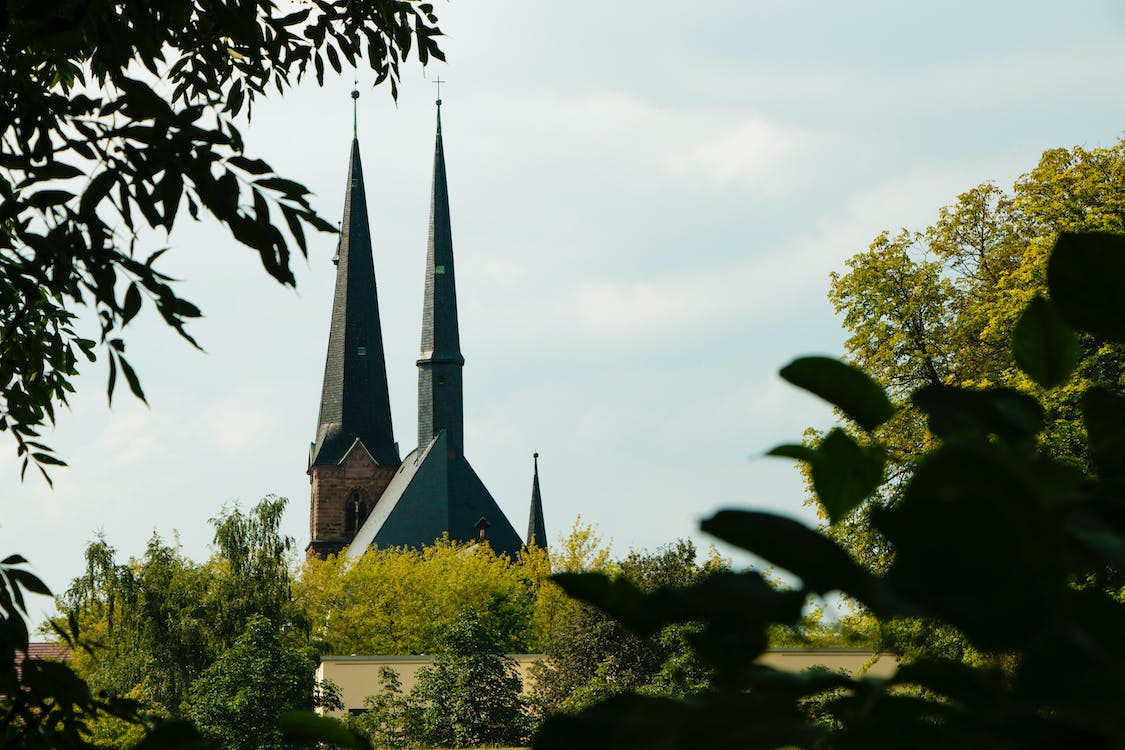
pixel 440 400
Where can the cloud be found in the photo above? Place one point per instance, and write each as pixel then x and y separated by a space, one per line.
pixel 613 136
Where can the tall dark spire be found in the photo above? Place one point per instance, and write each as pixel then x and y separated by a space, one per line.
pixel 440 405
pixel 536 528
pixel 354 403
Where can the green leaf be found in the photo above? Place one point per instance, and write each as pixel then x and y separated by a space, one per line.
pixel 48 198
pixel 1003 412
pixel 132 379
pixel 845 473
pixel 1104 414
pixel 132 303
pixel 1084 277
pixel 978 540
pixel 253 166
pixel 29 581
pixel 794 450
pixel 174 735
pixel 1043 345
pixel 818 561
pixel 844 386
pixel 288 187
pixel 618 597
pixel 305 727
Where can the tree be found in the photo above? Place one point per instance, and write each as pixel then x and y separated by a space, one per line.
pixel 237 700
pixel 400 600
pixel 115 115
pixel 161 621
pixel 939 307
pixel 996 538
pixel 470 696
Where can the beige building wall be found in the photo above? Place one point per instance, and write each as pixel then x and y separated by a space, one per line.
pixel 358 676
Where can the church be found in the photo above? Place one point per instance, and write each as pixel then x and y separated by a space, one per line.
pixel 362 492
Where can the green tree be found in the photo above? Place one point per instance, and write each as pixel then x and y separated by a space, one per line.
pixel 400 600
pixel 470 696
pixel 117 114
pixel 237 700
pixel 996 538
pixel 938 307
pixel 162 620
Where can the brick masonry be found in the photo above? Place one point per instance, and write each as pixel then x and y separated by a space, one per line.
pixel 331 488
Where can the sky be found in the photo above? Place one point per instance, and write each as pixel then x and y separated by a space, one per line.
pixel 647 201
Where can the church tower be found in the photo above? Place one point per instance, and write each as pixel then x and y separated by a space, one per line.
pixel 354 455
pixel 436 492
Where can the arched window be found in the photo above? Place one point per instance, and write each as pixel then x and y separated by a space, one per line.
pixel 355 513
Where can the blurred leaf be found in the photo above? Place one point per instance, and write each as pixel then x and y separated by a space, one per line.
pixel 846 387
pixel 1004 412
pixel 845 473
pixel 1084 275
pixel 820 564
pixel 1104 415
pixel 305 727
pixel 1001 572
pixel 1043 345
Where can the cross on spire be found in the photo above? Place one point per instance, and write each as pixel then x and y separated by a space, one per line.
pixel 438 82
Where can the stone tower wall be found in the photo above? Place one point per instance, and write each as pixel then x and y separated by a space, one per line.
pixel 331 488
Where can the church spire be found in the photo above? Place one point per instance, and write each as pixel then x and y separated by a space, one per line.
pixel 536 528
pixel 354 402
pixel 440 404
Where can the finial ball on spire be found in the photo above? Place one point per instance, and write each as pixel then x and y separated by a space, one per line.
pixel 536 455
pixel 355 93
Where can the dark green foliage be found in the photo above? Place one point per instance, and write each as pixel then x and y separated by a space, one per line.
pixel 237 700
pixel 996 544
pixel 1044 346
pixel 471 695
pixel 117 114
pixel 844 472
pixel 1084 275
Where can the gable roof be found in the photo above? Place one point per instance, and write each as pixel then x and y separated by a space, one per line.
pixel 432 494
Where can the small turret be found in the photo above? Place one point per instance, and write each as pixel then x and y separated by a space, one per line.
pixel 536 528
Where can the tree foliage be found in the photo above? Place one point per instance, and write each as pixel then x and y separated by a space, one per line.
pixel 939 307
pixel 162 620
pixel 996 537
pixel 237 700
pixel 117 114
pixel 400 600
pixel 470 696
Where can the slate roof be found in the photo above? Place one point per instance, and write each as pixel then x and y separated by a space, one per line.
pixel 354 402
pixel 536 528
pixel 441 341
pixel 440 396
pixel 434 492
